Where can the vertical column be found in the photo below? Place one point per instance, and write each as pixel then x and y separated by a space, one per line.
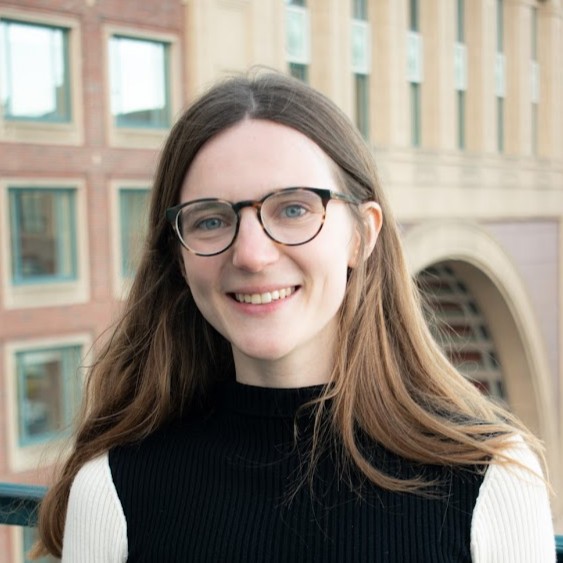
pixel 517 42
pixel 550 60
pixel 390 117
pixel 438 109
pixel 227 37
pixel 330 50
pixel 481 48
pixel 196 69
pixel 267 35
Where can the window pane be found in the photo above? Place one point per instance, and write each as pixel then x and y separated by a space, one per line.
pixel 42 234
pixel 362 103
pixel 534 129
pixel 500 26
pixel 48 391
pixel 415 114
pixel 298 71
pixel 460 119
pixel 360 9
pixel 460 22
pixel 139 78
pixel 534 33
pixel 414 16
pixel 41 95
pixel 133 211
pixel 500 124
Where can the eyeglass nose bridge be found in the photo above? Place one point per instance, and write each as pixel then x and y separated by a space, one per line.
pixel 257 205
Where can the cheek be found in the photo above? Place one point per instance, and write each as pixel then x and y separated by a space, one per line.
pixel 198 276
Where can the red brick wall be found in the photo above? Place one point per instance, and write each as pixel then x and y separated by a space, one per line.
pixel 95 163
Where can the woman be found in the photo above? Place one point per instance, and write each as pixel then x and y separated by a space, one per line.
pixel 271 392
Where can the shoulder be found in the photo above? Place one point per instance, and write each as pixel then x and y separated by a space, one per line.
pixel 512 517
pixel 95 527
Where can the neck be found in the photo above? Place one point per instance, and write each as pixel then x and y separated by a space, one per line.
pixel 287 372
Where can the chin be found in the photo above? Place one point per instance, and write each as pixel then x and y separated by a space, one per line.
pixel 263 353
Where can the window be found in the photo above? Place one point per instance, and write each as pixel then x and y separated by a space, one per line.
pixel 360 9
pixel 361 64
pixel 41 95
pixel 414 15
pixel 297 39
pixel 48 391
pixel 415 115
pixel 299 71
pixel 361 83
pixel 460 119
pixel 500 124
pixel 133 216
pixel 500 26
pixel 42 234
pixel 460 21
pixel 535 80
pixel 414 71
pixel 460 72
pixel 140 82
pixel 500 75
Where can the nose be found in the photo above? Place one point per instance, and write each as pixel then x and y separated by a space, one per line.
pixel 253 250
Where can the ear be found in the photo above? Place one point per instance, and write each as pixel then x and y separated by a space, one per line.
pixel 372 217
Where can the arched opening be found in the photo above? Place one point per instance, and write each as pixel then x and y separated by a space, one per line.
pixel 459 325
pixel 480 264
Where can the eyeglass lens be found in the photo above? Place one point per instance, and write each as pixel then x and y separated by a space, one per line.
pixel 290 217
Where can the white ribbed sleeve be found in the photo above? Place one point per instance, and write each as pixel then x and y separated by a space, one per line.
pixel 512 518
pixel 95 527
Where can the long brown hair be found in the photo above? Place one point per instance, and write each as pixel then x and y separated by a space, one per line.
pixel 390 379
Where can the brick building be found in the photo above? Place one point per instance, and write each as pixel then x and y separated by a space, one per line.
pixel 462 102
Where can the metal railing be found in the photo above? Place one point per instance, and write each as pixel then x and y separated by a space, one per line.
pixel 19 503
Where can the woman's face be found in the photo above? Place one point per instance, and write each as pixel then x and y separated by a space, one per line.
pixel 285 336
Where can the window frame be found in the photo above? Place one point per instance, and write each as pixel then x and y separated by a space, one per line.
pixel 139 136
pixel 47 291
pixel 69 396
pixel 362 104
pixel 50 131
pixel 298 52
pixel 119 120
pixel 29 454
pixel 18 278
pixel 121 281
pixel 68 110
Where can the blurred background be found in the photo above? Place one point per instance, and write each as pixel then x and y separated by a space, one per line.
pixel 460 100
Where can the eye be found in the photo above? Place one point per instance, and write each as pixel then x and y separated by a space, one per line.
pixel 210 224
pixel 293 211
pixel 206 222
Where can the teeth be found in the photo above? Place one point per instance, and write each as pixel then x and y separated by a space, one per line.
pixel 262 298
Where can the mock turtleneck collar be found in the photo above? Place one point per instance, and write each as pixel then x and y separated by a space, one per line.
pixel 266 401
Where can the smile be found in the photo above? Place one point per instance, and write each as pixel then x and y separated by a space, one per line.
pixel 263 298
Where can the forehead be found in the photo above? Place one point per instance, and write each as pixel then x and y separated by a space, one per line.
pixel 253 158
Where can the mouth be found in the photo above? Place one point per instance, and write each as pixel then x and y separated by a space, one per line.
pixel 266 297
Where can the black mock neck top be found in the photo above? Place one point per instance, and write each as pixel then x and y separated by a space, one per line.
pixel 231 486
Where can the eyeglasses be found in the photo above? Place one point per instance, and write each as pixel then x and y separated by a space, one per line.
pixel 291 216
